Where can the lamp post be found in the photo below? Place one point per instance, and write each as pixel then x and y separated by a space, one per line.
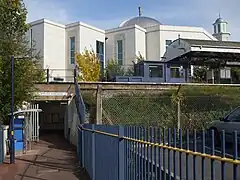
pixel 11 126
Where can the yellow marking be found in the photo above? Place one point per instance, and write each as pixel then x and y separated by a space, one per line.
pixel 203 155
pixel 12 133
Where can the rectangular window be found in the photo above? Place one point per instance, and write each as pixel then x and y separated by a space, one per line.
pixel 215 30
pixel 219 28
pixel 120 52
pixel 175 72
pixel 168 42
pixel 72 50
pixel 100 53
pixel 225 73
pixel 156 71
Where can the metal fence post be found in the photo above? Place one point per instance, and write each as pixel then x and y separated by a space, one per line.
pixel 93 152
pixel 178 115
pixel 82 146
pixel 121 155
pixel 99 105
pixel 47 76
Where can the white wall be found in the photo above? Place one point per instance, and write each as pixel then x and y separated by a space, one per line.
pixel 85 38
pixel 153 45
pixel 54 49
pixel 157 36
pixel 72 30
pixel 89 35
pixel 133 41
pixel 49 39
pixel 140 41
pixel 37 28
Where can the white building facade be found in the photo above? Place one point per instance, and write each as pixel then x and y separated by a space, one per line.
pixel 58 43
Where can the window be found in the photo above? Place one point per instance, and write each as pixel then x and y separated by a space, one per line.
pixel 219 28
pixel 156 71
pixel 175 72
pixel 120 52
pixel 224 28
pixel 168 42
pixel 215 29
pixel 225 73
pixel 100 53
pixel 72 50
pixel 234 116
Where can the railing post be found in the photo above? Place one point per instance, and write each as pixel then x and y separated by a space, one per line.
pixel 178 115
pixel 99 105
pixel 79 151
pixel 74 75
pixel 121 155
pixel 47 76
pixel 82 146
pixel 93 152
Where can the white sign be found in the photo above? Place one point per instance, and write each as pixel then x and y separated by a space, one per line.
pixel 52 93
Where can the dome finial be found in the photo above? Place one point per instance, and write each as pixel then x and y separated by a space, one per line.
pixel 139 11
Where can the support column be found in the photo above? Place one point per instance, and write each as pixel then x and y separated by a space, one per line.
pixel 99 105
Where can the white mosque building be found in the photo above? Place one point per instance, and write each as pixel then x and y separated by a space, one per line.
pixel 58 43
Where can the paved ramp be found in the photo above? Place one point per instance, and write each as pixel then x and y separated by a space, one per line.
pixel 52 158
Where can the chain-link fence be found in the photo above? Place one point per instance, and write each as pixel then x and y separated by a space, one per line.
pixel 190 107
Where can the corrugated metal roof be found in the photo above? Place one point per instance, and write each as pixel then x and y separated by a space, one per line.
pixel 213 43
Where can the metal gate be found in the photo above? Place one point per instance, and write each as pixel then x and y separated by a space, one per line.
pixel 34 123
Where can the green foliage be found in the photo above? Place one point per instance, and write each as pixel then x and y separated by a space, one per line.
pixel 200 74
pixel 139 58
pixel 13 42
pixel 199 106
pixel 89 66
pixel 235 73
pixel 114 69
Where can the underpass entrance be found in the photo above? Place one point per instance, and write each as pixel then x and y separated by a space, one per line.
pixel 51 120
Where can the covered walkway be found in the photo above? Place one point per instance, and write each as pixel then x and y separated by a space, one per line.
pixel 51 158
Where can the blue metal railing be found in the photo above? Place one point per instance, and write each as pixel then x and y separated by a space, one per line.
pixel 79 100
pixel 139 153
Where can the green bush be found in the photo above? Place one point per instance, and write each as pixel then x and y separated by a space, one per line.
pixel 199 106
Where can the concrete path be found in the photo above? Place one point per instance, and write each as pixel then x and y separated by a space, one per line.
pixel 51 158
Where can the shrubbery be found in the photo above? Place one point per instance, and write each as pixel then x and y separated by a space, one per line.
pixel 199 105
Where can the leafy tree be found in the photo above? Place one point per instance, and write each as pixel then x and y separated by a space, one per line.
pixel 200 74
pixel 13 42
pixel 89 66
pixel 114 69
pixel 235 73
pixel 140 57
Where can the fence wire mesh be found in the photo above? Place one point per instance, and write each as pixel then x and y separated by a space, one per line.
pixel 190 108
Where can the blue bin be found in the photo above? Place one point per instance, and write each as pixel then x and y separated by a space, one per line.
pixel 18 134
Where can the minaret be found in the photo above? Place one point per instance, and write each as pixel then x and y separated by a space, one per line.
pixel 220 29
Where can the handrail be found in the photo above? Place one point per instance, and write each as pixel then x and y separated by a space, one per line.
pixel 204 155
pixel 79 100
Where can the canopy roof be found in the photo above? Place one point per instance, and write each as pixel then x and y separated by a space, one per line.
pixel 222 53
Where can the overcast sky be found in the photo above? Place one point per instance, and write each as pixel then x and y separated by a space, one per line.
pixel 110 13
